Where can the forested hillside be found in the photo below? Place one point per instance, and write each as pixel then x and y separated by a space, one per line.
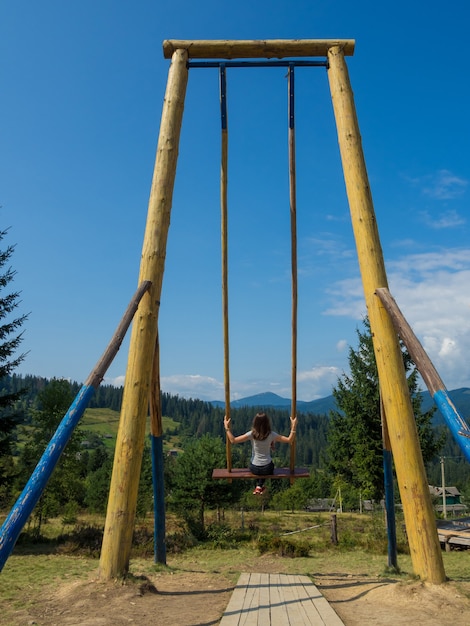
pixel 82 476
pixel 106 396
pixel 195 418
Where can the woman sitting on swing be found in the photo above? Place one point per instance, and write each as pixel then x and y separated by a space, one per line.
pixel 262 441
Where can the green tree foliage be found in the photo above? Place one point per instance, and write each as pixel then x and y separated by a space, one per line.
pixel 191 487
pixel 294 498
pixel 98 466
pixel 65 485
pixel 10 340
pixel 145 493
pixel 355 449
pixel 456 467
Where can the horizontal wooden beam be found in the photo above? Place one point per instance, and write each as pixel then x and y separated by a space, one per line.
pixel 255 49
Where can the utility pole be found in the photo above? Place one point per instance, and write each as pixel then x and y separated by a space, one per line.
pixel 443 484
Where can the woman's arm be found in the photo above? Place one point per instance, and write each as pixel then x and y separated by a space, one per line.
pixel 291 437
pixel 230 436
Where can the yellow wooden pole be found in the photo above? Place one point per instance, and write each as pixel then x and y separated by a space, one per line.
pixel 414 491
pixel 122 502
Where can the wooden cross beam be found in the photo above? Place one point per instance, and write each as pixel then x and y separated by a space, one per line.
pixel 254 49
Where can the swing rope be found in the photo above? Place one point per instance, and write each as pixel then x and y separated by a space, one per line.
pixel 230 472
pixel 293 227
pixel 224 246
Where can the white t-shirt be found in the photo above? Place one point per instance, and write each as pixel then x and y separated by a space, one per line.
pixel 261 450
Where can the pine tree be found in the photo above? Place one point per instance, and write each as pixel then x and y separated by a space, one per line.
pixel 10 339
pixel 66 485
pixel 355 448
pixel 192 488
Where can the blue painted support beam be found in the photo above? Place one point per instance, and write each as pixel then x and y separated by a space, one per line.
pixel 389 495
pixel 457 425
pixel 35 486
pixel 18 516
pixel 158 500
pixel 390 510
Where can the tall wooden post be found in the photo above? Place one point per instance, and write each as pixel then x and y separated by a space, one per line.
pixel 122 502
pixel 414 491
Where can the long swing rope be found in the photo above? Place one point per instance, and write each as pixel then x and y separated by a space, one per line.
pixel 224 246
pixel 293 224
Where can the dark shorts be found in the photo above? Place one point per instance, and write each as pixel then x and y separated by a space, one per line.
pixel 262 470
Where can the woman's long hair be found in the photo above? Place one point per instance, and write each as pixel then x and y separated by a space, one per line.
pixel 261 427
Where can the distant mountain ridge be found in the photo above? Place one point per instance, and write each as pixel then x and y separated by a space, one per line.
pixel 322 406
pixel 267 399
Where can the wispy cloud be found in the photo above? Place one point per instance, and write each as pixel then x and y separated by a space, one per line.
pixel 347 297
pixel 442 185
pixel 432 292
pixel 342 345
pixel 445 186
pixel 448 219
pixel 193 386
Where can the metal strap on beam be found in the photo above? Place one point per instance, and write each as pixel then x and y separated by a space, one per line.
pixel 297 63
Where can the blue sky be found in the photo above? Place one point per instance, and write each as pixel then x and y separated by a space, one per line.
pixel 82 91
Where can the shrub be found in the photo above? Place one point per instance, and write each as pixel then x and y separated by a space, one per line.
pixel 282 547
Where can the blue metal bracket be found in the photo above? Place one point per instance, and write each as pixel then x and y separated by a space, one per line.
pixel 291 96
pixel 223 96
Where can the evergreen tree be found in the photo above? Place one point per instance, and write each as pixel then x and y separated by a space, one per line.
pixel 355 448
pixel 192 488
pixel 66 484
pixel 10 339
pixel 97 480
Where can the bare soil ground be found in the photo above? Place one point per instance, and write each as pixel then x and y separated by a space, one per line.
pixel 199 598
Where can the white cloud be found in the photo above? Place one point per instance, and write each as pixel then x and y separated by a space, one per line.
pixel 448 219
pixel 342 345
pixel 348 299
pixel 433 294
pixel 317 382
pixel 443 185
pixel 436 304
pixel 193 386
pixel 117 381
pixel 311 385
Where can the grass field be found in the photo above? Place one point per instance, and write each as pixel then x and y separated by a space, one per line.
pixel 36 570
pixel 105 424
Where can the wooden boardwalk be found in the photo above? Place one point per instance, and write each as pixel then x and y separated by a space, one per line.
pixel 278 600
pixel 454 533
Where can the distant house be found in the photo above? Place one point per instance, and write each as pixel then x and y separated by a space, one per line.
pixel 453 500
pixel 320 504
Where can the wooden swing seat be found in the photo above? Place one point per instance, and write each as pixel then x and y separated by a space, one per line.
pixel 279 472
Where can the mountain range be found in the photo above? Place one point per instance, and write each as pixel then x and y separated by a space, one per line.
pixel 322 406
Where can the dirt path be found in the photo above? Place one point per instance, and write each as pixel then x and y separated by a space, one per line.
pixel 196 598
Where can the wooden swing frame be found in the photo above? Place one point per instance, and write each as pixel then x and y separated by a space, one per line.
pixel 425 549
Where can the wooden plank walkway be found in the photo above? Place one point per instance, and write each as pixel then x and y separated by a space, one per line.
pixel 278 600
